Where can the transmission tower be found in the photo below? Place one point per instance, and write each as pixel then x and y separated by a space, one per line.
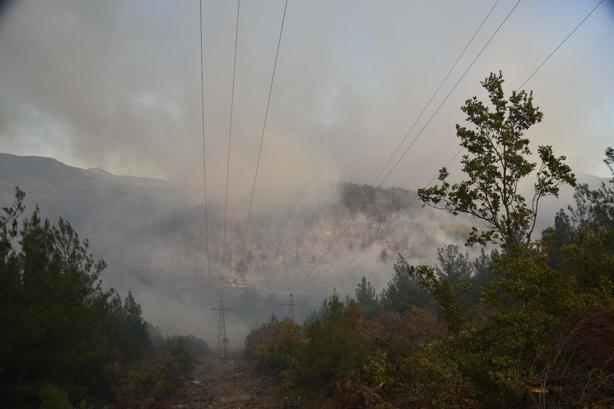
pixel 222 340
pixel 290 304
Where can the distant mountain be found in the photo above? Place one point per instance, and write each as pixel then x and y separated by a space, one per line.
pixel 154 243
pixel 106 208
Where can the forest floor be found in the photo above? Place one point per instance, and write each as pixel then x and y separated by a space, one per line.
pixel 228 383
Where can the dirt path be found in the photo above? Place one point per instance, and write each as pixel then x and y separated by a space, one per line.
pixel 231 383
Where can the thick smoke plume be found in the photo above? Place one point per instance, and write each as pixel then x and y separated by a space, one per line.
pixel 115 84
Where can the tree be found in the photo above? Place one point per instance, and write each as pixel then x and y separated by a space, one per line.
pixel 333 344
pixel 403 291
pixel 51 310
pixel 57 324
pixel 596 206
pixel 581 242
pixel 442 291
pixel 127 330
pixel 8 220
pixel 530 302
pixel 555 238
pixel 457 269
pixel 497 160
pixel 453 266
pixel 483 273
pixel 366 297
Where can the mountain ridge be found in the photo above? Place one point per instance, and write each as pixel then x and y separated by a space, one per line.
pixel 153 239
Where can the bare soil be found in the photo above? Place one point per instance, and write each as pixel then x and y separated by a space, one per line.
pixel 228 383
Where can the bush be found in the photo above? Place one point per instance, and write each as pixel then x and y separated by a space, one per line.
pixel 274 345
pixel 53 397
pixel 333 344
pixel 138 382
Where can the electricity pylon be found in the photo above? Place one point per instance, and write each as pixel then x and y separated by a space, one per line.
pixel 290 304
pixel 222 340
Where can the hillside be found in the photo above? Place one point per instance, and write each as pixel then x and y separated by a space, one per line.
pixel 104 207
pixel 154 244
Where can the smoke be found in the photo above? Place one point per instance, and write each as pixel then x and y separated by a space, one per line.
pixel 116 84
pixel 289 250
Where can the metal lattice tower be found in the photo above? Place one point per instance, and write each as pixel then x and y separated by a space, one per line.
pixel 222 340
pixel 290 304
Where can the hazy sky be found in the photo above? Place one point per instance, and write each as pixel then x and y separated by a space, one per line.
pixel 116 84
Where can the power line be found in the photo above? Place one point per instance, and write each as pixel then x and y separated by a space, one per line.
pixel 266 116
pixel 539 67
pixel 202 104
pixel 232 97
pixel 430 182
pixel 430 100
pixel 530 76
pixel 461 78
pixel 428 122
pixel 567 37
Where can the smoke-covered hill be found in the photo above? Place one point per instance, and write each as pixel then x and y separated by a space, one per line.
pixel 300 248
pixel 100 204
pixel 154 243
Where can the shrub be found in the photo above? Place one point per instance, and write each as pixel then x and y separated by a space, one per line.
pixel 334 344
pixel 274 345
pixel 142 382
pixel 53 397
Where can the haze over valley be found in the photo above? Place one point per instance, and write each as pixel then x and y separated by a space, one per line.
pixel 300 204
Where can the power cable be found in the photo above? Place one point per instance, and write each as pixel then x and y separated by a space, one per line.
pixel 529 77
pixel 428 122
pixel 430 100
pixel 232 97
pixel 266 117
pixel 202 104
pixel 567 37
pixel 461 78
pixel 538 68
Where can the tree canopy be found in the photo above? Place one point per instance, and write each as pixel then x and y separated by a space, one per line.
pixel 496 161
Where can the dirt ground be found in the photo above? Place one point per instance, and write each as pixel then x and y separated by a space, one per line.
pixel 228 383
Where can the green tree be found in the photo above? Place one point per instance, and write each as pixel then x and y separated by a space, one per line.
pixel 453 266
pixel 597 205
pixel 126 329
pixel 403 292
pixel 333 344
pixel 581 242
pixel 482 267
pixel 442 291
pixel 51 310
pixel 8 218
pixel 57 325
pixel 456 268
pixel 366 296
pixel 496 161
pixel 531 301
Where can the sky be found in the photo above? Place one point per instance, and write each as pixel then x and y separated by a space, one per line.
pixel 116 84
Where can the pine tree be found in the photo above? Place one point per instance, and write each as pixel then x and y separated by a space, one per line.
pixel 403 291
pixel 366 297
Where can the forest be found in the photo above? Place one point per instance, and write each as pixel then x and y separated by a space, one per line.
pixel 306 204
pixel 527 324
pixel 65 342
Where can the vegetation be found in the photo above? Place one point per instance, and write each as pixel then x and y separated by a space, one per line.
pixel 376 202
pixel 529 323
pixel 64 341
